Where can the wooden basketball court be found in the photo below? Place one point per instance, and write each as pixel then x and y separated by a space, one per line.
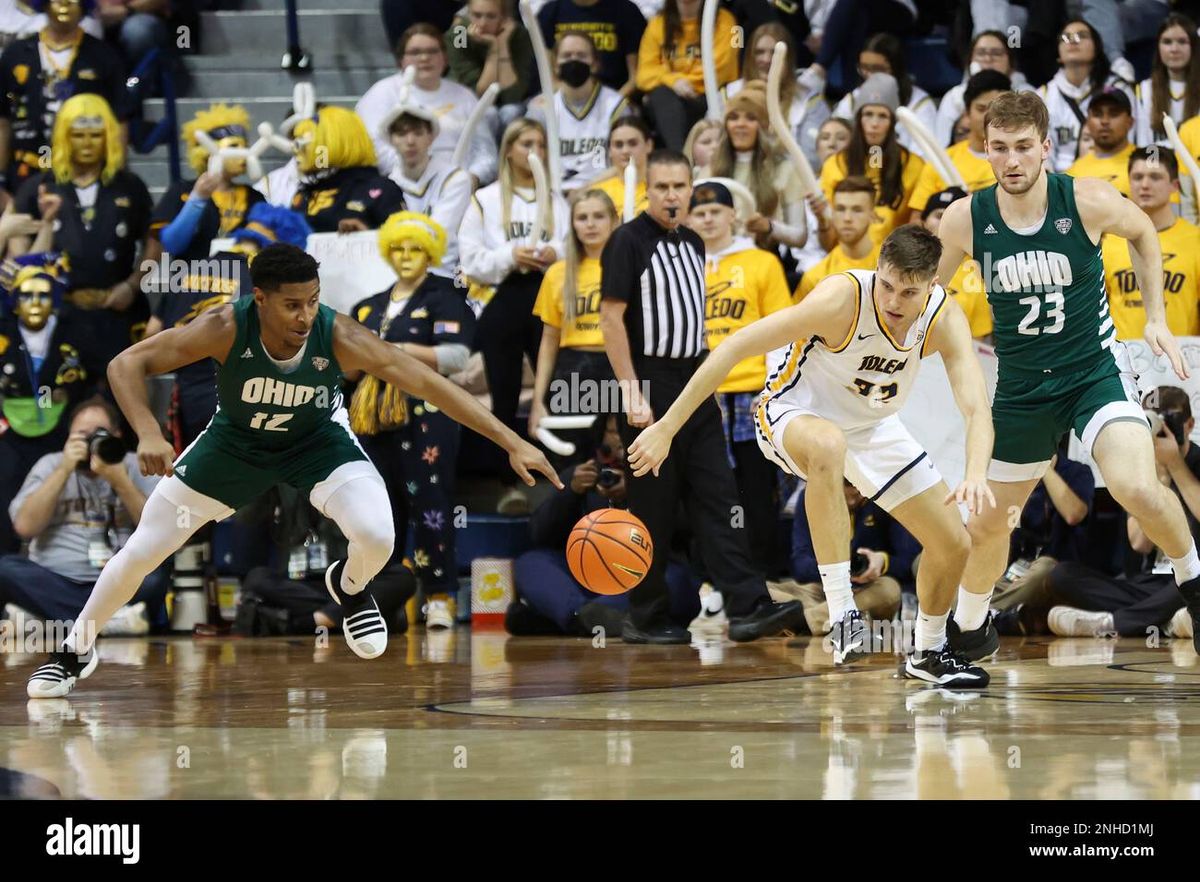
pixel 462 714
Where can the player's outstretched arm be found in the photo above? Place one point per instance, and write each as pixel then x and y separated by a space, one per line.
pixel 827 312
pixel 955 233
pixel 210 335
pixel 356 348
pixel 951 337
pixel 1104 210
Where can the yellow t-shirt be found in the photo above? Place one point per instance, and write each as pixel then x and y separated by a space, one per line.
pixel 834 171
pixel 659 65
pixel 836 261
pixel 1114 169
pixel 615 188
pixel 976 173
pixel 742 288
pixel 1189 134
pixel 967 289
pixel 1181 276
pixel 585 330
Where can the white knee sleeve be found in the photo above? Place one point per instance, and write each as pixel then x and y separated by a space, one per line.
pixel 356 499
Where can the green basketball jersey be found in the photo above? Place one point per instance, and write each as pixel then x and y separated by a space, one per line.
pixel 1046 289
pixel 264 407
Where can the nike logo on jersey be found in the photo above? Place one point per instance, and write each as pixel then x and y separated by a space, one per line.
pixel 865 336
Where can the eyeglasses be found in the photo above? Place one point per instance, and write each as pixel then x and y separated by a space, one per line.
pixel 422 53
pixel 1076 37
pixel 865 71
pixel 991 53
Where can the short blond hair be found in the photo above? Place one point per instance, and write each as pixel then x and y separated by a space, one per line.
pixel 1013 111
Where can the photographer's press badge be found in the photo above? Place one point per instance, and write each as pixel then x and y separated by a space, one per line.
pixel 99 553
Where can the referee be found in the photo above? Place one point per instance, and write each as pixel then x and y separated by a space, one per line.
pixel 652 315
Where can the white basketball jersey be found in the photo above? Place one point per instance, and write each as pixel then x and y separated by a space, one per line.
pixel 858 381
pixel 583 138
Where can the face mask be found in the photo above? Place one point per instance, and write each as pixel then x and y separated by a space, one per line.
pixel 574 73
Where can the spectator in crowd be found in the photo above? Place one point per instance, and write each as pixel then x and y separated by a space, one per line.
pixel 137 26
pixel 38 74
pixel 1084 72
pixel 1092 603
pixel 804 110
pixel 191 214
pixel 17 20
pixel 629 140
pixel 882 554
pixel 550 601
pixel 853 213
pixel 1110 122
pixel 290 597
pixel 97 213
pixel 846 26
pixel 1173 86
pixel 341 189
pixel 488 45
pixel 400 15
pixel 969 156
pixel 206 286
pixel 989 51
pixel 421 47
pixel 430 185
pixel 495 248
pixel 670 72
pixel 966 286
pixel 876 153
pixel 76 508
pixel 1051 532
pixel 584 109
pixel 748 155
pixel 702 141
pixel 568 303
pixel 615 28
pixel 40 349
pixel 884 53
pixel 414 445
pixel 743 284
pixel 833 137
pixel 1153 182
pixel 1121 22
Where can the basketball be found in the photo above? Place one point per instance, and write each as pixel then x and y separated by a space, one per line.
pixel 609 551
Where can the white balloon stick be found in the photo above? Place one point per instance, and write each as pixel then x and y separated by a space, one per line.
pixel 541 199
pixel 708 26
pixel 934 153
pixel 482 106
pixel 542 58
pixel 630 206
pixel 781 128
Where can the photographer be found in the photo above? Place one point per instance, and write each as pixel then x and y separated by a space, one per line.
pixel 1095 604
pixel 1051 532
pixel 881 561
pixel 551 601
pixel 77 508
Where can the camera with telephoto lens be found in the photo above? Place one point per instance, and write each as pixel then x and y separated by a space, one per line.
pixel 1167 421
pixel 859 564
pixel 609 478
pixel 108 447
pixel 607 459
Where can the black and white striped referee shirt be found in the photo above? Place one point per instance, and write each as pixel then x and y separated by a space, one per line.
pixel 660 276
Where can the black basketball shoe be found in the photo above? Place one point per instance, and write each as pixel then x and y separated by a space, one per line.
pixel 362 623
pixel 57 677
pixel 976 644
pixel 944 667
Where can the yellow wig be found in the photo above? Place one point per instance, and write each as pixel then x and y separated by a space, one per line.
pixel 421 228
pixel 343 136
pixel 75 108
pixel 217 116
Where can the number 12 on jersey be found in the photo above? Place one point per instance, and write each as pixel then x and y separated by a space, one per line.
pixel 1054 313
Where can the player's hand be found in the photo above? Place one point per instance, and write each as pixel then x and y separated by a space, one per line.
pixel 526 458
pixel 18 225
pixel 874 570
pixel 649 449
pixel 639 413
pixel 156 456
pixel 974 492
pixel 1161 341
